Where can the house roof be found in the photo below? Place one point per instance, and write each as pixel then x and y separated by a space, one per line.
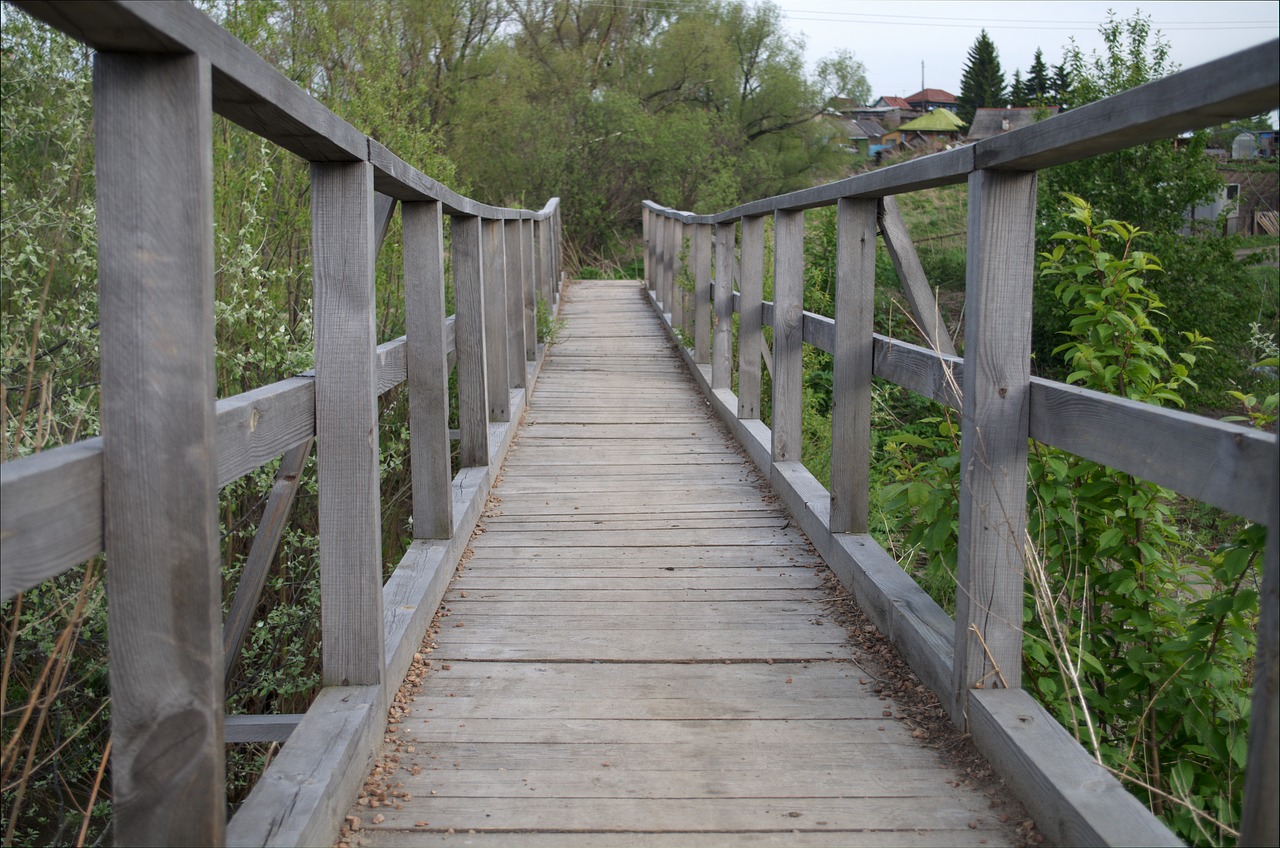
pixel 871 129
pixel 931 95
pixel 939 120
pixel 988 122
pixel 896 102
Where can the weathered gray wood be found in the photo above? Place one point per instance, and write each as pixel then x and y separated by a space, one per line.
pixel 646 223
pixel 350 518
pixel 702 250
pixel 1073 799
pixel 301 797
pixel 721 340
pixel 394 177
pixel 750 321
pixel 659 257
pixel 255 427
pixel 851 389
pixel 544 287
pixel 52 516
pixel 1260 820
pixel 513 269
pixel 1224 464
pixel 243 729
pixel 246 88
pixel 1197 97
pixel 924 306
pixel 923 371
pixel 424 306
pixel 994 431
pixel 253 576
pixel 160 496
pixel 788 314
pixel 469 331
pixel 497 363
pixel 528 282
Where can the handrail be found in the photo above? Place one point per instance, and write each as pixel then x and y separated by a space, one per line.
pixel 974 661
pixel 146 492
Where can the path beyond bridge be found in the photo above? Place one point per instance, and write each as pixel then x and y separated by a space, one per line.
pixel 639 649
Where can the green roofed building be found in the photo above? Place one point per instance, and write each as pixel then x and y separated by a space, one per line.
pixel 939 121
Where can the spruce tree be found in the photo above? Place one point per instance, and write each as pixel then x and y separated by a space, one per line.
pixel 1019 92
pixel 982 84
pixel 1061 85
pixel 1038 82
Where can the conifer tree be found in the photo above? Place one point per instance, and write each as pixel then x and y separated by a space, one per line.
pixel 1019 91
pixel 1038 82
pixel 982 84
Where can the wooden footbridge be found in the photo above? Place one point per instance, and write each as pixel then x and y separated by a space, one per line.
pixel 634 650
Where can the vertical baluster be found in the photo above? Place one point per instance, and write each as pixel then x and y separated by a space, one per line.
pixel 1259 822
pixel 514 276
pixel 677 294
pixel 788 315
pixel 350 522
pixel 528 279
pixel 424 308
pixel 993 446
pixel 469 342
pixel 495 315
pixel 851 407
pixel 750 321
pixel 545 269
pixel 646 219
pixel 702 249
pixel 721 339
pixel 152 123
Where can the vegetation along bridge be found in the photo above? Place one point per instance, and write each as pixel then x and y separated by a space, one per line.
pixel 636 647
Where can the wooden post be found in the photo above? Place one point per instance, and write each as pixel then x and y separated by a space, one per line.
pixel 646 219
pixel 528 278
pixel 514 276
pixel 721 340
pixel 495 321
pixel 788 327
pixel 702 249
pixel 557 269
pixel 993 442
pixel 750 317
pixel 660 260
pixel 677 266
pixel 160 488
pixel 1259 822
pixel 545 271
pixel 350 515
pixel 428 372
pixel 851 407
pixel 469 343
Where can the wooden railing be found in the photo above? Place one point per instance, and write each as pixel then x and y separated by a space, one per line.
pixel 146 492
pixel 973 662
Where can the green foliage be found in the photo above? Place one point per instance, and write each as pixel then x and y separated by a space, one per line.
pixel 982 83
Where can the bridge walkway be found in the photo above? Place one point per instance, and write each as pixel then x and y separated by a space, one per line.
pixel 638 648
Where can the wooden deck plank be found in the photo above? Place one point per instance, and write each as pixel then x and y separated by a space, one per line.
pixel 639 648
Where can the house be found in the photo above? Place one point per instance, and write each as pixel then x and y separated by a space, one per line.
pixel 988 122
pixel 893 103
pixel 938 125
pixel 865 136
pixel 928 99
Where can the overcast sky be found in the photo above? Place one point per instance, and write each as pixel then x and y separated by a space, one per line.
pixel 892 39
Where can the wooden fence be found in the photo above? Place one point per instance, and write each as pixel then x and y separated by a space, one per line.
pixel 146 491
pixel 974 661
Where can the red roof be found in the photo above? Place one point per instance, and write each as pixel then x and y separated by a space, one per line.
pixel 931 95
pixel 899 102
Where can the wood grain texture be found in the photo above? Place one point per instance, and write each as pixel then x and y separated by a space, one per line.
pixel 902 252
pixel 851 383
pixel 469 310
pixel 253 576
pixel 243 729
pixel 424 305
pixel 497 363
pixel 528 282
pixel 544 287
pixel 646 224
pixel 1259 820
pixel 154 161
pixel 994 430
pixel 513 269
pixel 721 340
pixel 256 426
pixel 788 315
pixel 703 248
pixel 937 377
pixel 677 268
pixel 750 318
pixel 350 518
pixel 1073 799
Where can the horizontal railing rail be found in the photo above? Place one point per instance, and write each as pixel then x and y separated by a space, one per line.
pixel 972 661
pixel 145 493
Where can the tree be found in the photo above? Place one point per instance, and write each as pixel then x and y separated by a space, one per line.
pixel 1039 84
pixel 982 84
pixel 1060 85
pixel 841 75
pixel 1018 92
